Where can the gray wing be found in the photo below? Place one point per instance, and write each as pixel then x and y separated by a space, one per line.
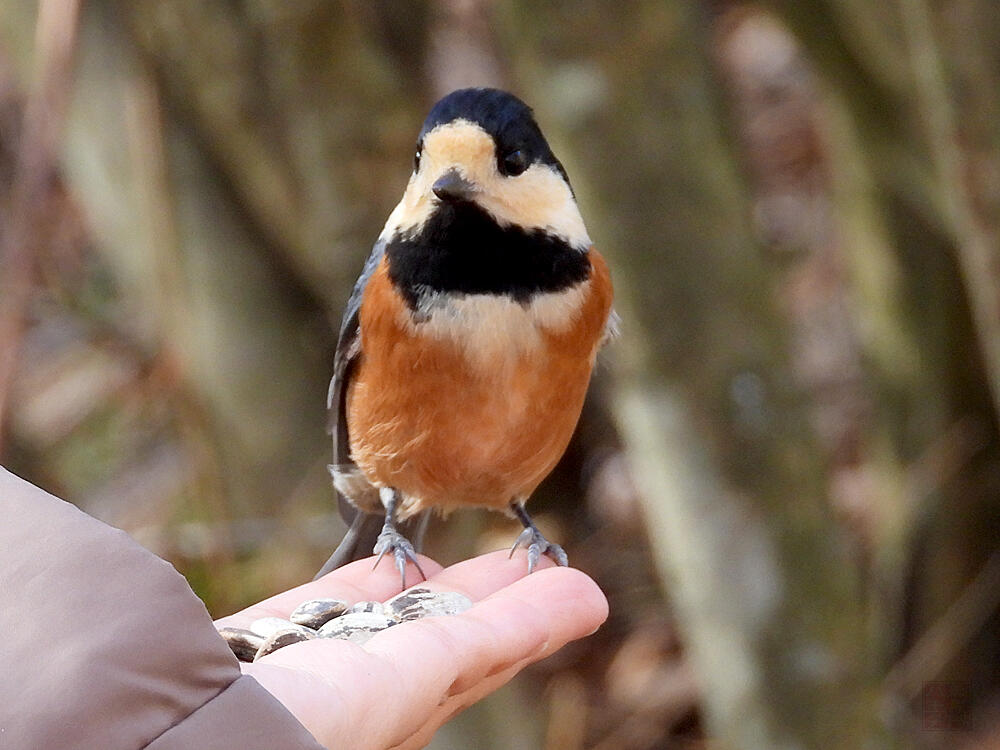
pixel 363 527
pixel 346 356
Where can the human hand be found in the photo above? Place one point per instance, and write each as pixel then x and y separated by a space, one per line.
pixel 397 689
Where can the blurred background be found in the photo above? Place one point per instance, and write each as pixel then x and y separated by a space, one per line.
pixel 787 475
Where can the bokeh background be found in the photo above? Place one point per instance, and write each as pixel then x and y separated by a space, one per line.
pixel 786 478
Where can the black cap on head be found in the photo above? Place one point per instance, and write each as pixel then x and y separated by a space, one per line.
pixel 506 118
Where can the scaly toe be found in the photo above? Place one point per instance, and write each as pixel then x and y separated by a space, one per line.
pixel 402 550
pixel 525 537
pixel 538 545
pixel 558 554
pixel 534 552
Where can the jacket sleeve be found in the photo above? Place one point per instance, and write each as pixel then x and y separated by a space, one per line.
pixel 104 645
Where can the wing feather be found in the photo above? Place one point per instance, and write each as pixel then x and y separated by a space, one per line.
pixel 344 359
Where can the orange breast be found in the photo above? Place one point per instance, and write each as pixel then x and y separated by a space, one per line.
pixel 449 430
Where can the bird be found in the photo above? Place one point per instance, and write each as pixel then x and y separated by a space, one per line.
pixel 468 342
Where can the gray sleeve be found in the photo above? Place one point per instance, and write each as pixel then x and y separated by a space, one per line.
pixel 104 645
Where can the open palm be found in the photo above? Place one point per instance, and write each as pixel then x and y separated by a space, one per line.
pixel 397 689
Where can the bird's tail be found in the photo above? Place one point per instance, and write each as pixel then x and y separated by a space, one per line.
pixel 357 542
pixel 362 534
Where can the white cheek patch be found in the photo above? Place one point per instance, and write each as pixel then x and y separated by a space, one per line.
pixel 539 198
pixel 494 330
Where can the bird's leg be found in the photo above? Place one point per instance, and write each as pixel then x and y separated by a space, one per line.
pixel 538 545
pixel 391 540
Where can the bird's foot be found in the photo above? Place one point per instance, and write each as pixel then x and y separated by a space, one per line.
pixel 537 546
pixel 391 540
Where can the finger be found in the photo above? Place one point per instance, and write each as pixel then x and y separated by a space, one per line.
pixel 574 604
pixel 476 578
pixel 477 652
pixel 532 617
pixel 565 627
pixel 353 582
pixel 356 581
pixel 453 706
pixel 481 576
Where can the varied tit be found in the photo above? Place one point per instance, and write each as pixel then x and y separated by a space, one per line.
pixel 467 345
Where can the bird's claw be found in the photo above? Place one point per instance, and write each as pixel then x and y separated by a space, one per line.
pixel 538 545
pixel 402 550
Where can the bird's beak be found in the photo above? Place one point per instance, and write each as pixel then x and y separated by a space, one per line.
pixel 451 187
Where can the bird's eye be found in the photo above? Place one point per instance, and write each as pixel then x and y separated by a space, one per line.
pixel 514 163
pixel 416 159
